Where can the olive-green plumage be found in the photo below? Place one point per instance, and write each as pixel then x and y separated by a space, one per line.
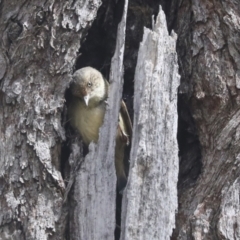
pixel 86 112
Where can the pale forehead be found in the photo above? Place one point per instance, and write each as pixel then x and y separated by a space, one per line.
pixel 87 73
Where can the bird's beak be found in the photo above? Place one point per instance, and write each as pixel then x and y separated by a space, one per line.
pixel 86 99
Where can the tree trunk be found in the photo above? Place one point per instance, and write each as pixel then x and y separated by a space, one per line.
pixel 38 49
pixel 41 43
pixel 208 52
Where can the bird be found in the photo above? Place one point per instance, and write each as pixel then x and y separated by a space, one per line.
pixel 89 93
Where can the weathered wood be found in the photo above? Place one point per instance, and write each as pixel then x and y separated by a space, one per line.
pixel 150 199
pixel 95 186
pixel 228 224
pixel 38 48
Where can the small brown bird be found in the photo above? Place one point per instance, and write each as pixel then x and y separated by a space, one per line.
pixel 86 112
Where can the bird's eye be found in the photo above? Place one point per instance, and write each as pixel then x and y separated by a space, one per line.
pixel 89 84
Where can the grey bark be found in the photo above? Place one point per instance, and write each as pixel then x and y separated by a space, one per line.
pixel 208 49
pixel 95 185
pixel 150 199
pixel 38 48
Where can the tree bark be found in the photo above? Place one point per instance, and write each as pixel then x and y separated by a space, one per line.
pixel 208 51
pixel 150 199
pixel 38 49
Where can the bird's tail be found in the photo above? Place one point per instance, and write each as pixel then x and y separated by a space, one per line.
pixel 119 164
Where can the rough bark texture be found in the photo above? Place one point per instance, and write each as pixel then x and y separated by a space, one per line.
pixel 150 200
pixel 208 48
pixel 95 186
pixel 38 48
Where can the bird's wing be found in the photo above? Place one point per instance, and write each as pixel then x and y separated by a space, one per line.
pixel 125 123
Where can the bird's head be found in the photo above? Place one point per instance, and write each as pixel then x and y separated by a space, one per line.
pixel 88 84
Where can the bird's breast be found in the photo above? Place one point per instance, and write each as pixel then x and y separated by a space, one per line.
pixel 88 121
